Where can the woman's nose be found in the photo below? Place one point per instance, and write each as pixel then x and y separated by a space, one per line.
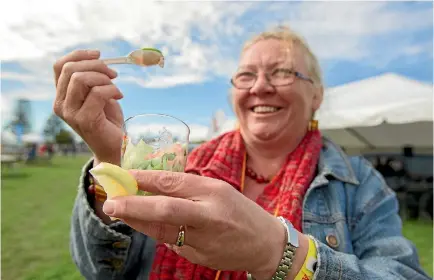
pixel 262 86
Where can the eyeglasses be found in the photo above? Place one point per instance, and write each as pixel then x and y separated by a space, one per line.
pixel 278 77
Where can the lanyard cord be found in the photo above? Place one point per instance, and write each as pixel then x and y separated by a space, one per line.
pixel 243 179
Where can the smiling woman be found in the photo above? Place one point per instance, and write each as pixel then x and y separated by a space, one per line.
pixel 270 200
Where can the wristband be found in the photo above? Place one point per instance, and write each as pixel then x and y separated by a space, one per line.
pixel 307 270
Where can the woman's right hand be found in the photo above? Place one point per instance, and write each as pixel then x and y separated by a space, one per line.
pixel 86 99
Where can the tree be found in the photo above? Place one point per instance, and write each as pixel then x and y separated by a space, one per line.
pixel 64 137
pixel 21 123
pixel 53 127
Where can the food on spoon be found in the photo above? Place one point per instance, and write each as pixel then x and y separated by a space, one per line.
pixel 148 57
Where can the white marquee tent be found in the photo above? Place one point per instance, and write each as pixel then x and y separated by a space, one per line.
pixel 387 111
pixel 33 138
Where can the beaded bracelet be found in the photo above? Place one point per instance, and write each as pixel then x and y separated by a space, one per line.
pixel 97 191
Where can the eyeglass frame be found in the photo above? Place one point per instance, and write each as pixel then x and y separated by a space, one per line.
pixel 267 76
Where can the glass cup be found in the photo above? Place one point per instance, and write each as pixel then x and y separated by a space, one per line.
pixel 155 142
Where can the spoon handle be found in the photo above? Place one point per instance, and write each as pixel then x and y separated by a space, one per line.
pixel 117 60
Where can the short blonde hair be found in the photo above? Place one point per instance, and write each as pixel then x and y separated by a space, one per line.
pixel 293 39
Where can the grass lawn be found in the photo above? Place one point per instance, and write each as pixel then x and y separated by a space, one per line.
pixel 36 207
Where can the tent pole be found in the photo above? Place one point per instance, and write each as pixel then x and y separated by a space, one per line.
pixel 360 138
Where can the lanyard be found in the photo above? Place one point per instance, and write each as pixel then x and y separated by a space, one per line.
pixel 243 180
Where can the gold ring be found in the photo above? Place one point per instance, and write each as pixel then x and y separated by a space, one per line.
pixel 181 237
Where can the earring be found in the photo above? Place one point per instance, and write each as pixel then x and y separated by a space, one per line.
pixel 313 125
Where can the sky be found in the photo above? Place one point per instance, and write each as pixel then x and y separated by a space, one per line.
pixel 201 42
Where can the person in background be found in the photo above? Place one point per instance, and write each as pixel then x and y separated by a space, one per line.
pixel 50 150
pixel 272 199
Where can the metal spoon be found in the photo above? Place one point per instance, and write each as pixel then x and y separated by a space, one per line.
pixel 141 57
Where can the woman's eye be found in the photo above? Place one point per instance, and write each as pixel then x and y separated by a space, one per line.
pixel 245 76
pixel 282 73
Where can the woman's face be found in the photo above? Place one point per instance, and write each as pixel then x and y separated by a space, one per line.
pixel 274 113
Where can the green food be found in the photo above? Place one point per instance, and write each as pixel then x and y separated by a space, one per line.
pixel 152 49
pixel 152 56
pixel 143 157
pixel 135 156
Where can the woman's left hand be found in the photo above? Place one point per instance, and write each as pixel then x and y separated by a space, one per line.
pixel 224 229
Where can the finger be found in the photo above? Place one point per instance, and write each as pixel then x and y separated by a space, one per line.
pixel 113 112
pixel 91 115
pixel 176 184
pixel 79 87
pixel 99 97
pixel 81 66
pixel 157 209
pixel 163 233
pixel 76 55
pixel 185 251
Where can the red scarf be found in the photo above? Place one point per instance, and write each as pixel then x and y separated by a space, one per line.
pixel 223 158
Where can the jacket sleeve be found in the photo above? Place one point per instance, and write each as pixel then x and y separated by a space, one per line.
pixel 102 251
pixel 380 249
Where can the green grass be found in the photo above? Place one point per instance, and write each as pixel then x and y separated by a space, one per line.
pixel 421 233
pixel 36 208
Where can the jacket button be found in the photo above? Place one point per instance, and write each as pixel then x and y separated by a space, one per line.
pixel 332 241
pixel 117 264
pixel 120 245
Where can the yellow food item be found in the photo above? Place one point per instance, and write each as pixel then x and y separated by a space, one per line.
pixel 115 180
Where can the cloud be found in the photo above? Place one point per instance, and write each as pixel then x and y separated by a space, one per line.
pixel 36 36
pixel 14 76
pixel 201 40
pixel 32 93
pixel 162 81
pixel 39 31
pixel 349 30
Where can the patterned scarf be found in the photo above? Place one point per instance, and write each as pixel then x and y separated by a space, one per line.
pixel 223 158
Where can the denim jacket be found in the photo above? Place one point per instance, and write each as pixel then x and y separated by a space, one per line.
pixel 348 208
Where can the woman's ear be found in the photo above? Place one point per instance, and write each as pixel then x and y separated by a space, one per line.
pixel 317 97
pixel 231 104
pixel 231 100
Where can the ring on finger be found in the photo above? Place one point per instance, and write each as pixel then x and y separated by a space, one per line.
pixel 181 236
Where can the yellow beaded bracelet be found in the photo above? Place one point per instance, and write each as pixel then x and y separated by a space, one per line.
pixel 100 194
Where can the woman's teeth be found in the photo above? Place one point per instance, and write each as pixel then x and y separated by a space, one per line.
pixel 265 109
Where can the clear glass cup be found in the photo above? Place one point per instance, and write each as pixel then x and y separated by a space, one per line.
pixel 155 142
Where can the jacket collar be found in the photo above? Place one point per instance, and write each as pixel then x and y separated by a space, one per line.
pixel 333 162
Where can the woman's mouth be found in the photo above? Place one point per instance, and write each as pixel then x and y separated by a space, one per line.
pixel 264 109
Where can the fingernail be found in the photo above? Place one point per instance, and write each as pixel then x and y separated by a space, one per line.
pixel 93 53
pixel 109 207
pixel 113 73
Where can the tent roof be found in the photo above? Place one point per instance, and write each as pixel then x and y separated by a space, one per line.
pixel 387 98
